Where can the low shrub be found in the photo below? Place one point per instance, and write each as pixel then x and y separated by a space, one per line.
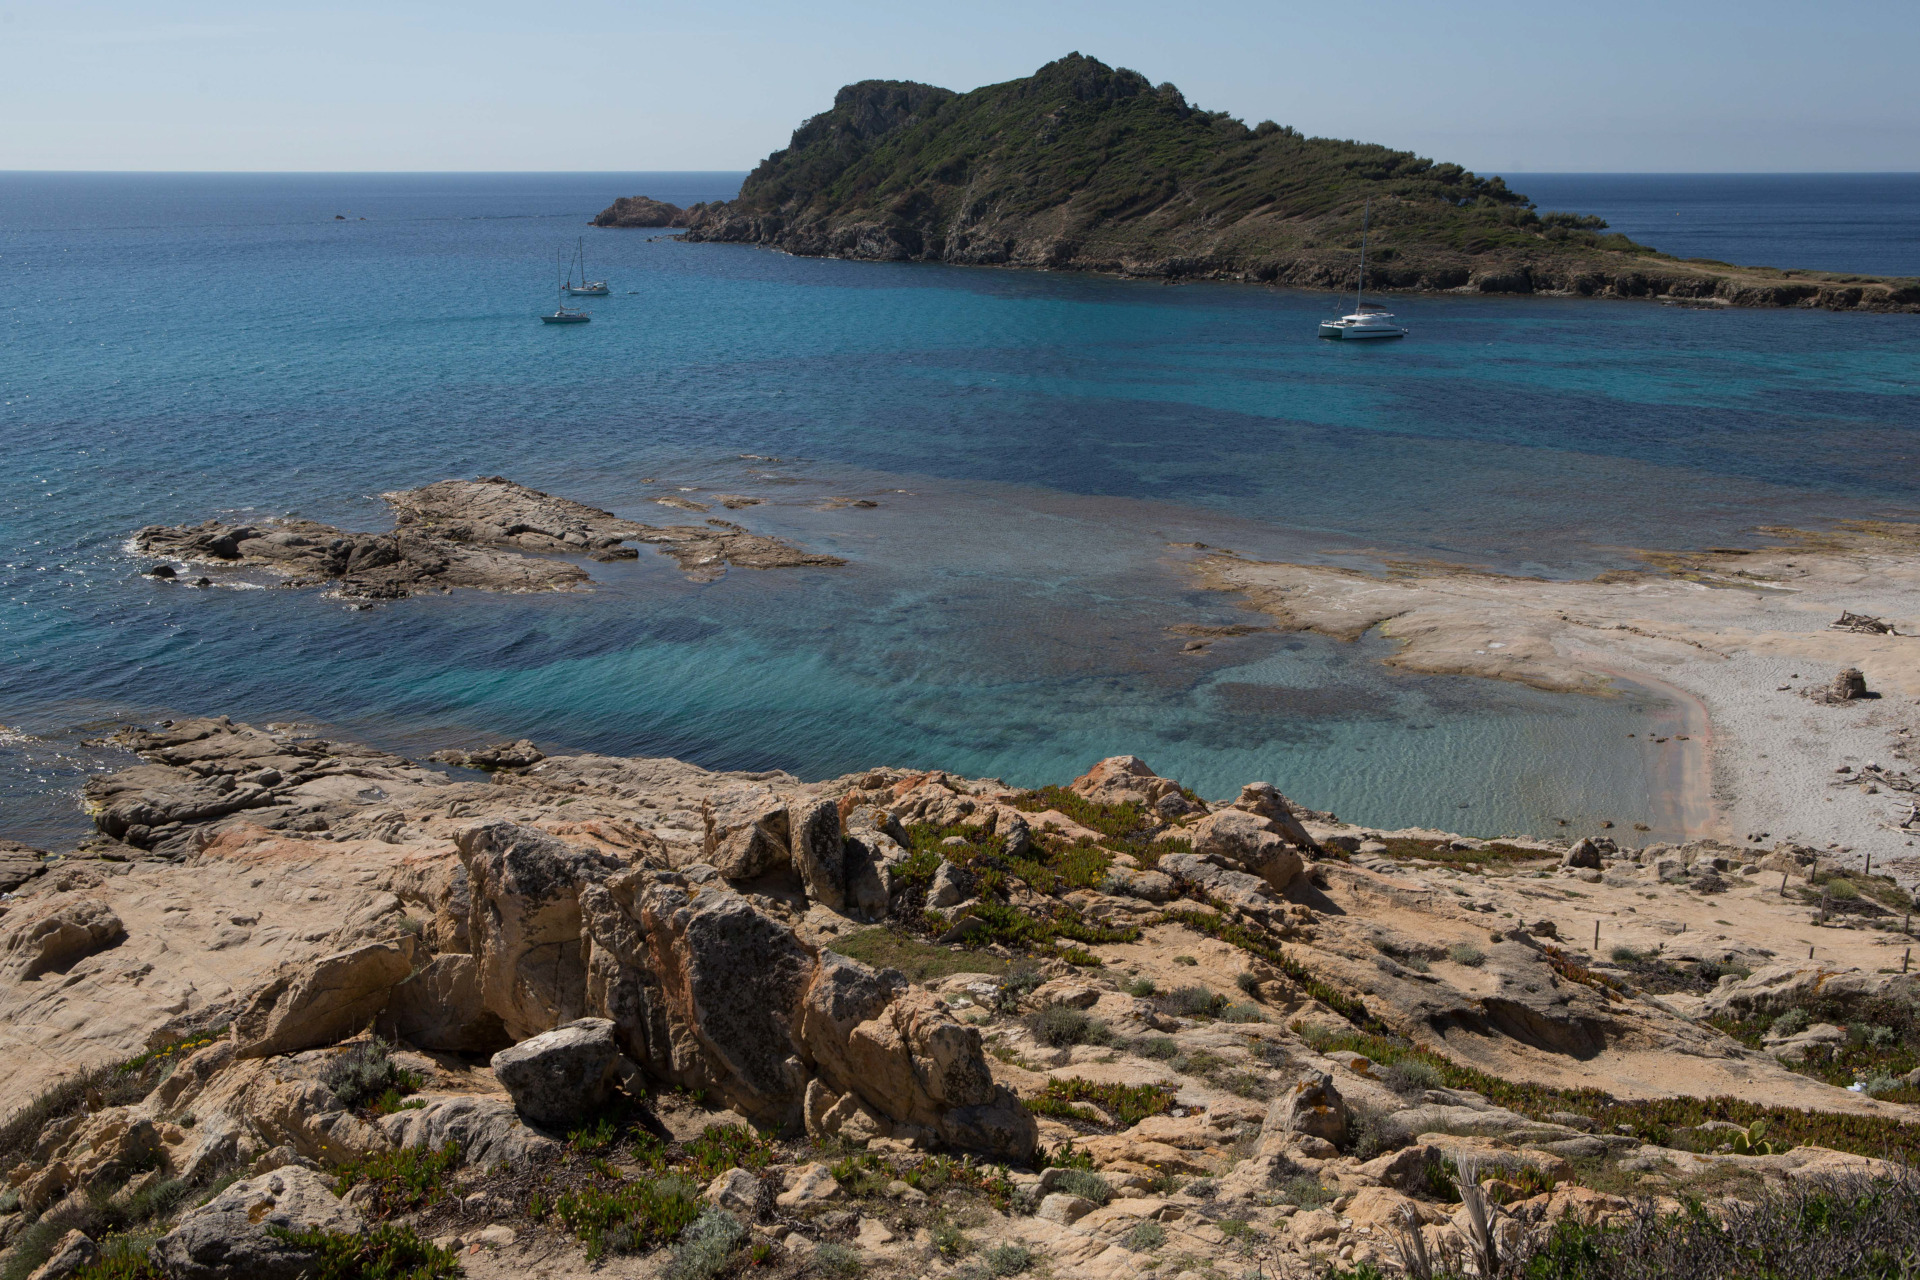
pixel 1193 1002
pixel 1141 988
pixel 1008 1259
pixel 402 1181
pixel 948 1240
pixel 705 1246
pixel 366 1071
pixel 1161 1047
pixel 1306 1192
pixel 1060 1025
pixel 1241 1011
pixel 1130 1104
pixel 831 1258
pixel 385 1253
pixel 724 1146
pixel 1248 982
pixel 1411 1075
pixel 1084 1183
pixel 631 1216
pixel 1146 1236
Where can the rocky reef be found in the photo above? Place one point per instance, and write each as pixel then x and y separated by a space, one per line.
pixel 1086 167
pixel 302 1005
pixel 463 533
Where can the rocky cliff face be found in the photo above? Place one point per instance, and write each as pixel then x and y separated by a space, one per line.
pixel 1085 167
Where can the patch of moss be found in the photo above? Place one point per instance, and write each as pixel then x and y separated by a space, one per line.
pixel 921 961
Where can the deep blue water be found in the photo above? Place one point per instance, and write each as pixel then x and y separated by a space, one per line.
pixel 177 347
pixel 1864 222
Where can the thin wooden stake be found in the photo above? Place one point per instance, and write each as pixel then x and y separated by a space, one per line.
pixel 1809 953
pixel 1783 884
pixel 1596 937
pixel 1906 960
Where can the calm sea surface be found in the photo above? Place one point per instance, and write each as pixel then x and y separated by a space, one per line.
pixel 179 347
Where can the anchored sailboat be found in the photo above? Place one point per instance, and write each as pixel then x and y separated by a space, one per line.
pixel 563 315
pixel 1367 321
pixel 586 287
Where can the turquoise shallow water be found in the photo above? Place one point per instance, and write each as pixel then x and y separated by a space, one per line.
pixel 178 347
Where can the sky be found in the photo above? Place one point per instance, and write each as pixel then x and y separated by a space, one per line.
pixel 595 85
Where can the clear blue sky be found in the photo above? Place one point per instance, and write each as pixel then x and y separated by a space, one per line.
pixel 1684 85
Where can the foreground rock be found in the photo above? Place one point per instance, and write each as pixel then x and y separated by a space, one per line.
pixel 231 1237
pixel 461 533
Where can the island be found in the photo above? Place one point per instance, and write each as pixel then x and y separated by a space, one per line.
pixel 1087 167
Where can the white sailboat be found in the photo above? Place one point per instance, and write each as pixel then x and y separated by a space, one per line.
pixel 1367 320
pixel 586 287
pixel 563 315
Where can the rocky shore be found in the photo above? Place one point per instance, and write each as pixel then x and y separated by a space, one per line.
pixel 463 533
pixel 1754 639
pixel 604 1016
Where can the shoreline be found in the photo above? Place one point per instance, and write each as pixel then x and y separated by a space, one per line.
pixel 1742 637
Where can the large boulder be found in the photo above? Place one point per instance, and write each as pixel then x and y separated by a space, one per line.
pixel 487 1130
pixel 729 979
pixel 231 1238
pixel 560 1076
pixel 1125 780
pixel 1263 800
pixel 898 1048
pixel 818 852
pixel 322 1003
pixel 71 1253
pixel 58 939
pixel 1248 842
pixel 1312 1107
pixel 524 922
pixel 747 830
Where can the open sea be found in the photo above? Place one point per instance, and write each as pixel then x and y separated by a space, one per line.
pixel 177 347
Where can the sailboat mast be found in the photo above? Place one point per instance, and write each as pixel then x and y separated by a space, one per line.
pixel 1360 285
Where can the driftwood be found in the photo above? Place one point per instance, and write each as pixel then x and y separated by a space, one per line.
pixel 1863 623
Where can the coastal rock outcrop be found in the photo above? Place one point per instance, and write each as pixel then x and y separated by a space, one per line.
pixel 640 211
pixel 466 533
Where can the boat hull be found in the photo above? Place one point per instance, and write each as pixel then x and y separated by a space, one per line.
pixel 565 319
pixel 588 293
pixel 1353 333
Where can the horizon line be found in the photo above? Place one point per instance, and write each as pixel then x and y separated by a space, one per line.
pixel 1569 173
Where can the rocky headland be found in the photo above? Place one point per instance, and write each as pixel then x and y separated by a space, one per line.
pixel 463 533
pixel 301 1004
pixel 1085 167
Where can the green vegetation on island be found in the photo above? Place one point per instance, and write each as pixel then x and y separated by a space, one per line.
pixel 1082 166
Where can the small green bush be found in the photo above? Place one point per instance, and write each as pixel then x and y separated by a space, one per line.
pixel 1193 1002
pixel 404 1180
pixel 1412 1075
pixel 631 1216
pixel 1306 1192
pixel 366 1071
pixel 1146 1236
pixel 1060 1025
pixel 1161 1047
pixel 385 1253
pixel 949 1241
pixel 1007 1259
pixel 1240 1011
pixel 831 1258
pixel 1084 1183
pixel 1130 1104
pixel 1248 982
pixel 1792 1022
pixel 1141 988
pixel 705 1246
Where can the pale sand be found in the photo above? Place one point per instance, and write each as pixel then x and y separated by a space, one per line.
pixel 1721 630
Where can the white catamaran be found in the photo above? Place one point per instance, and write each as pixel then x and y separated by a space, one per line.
pixel 1367 320
pixel 563 315
pixel 586 287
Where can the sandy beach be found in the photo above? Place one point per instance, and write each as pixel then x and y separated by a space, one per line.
pixel 1743 642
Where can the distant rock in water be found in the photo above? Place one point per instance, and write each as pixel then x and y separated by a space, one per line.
pixel 641 211
pixel 466 533
pixel 1086 167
